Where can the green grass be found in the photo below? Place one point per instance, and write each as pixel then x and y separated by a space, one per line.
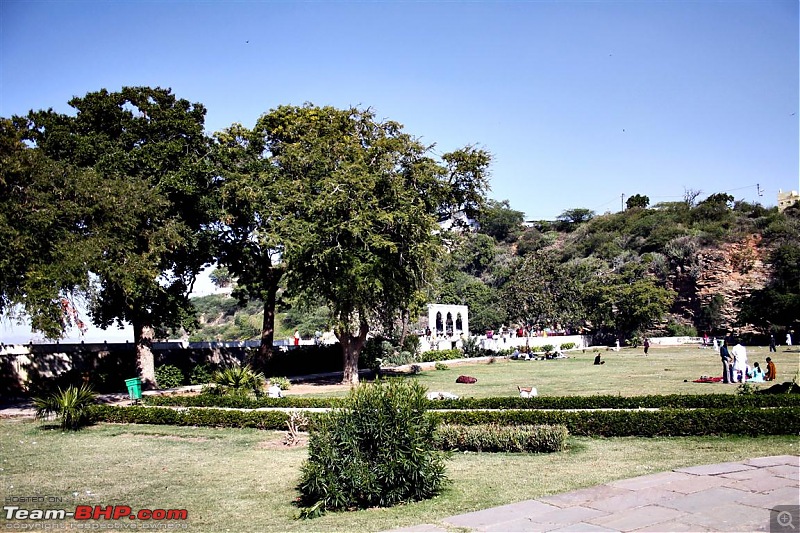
pixel 667 370
pixel 243 480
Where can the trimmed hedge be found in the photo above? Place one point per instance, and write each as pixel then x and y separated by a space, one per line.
pixel 604 423
pixel 704 401
pixel 440 355
pixel 190 417
pixel 686 401
pixel 664 423
pixel 496 438
pixel 242 402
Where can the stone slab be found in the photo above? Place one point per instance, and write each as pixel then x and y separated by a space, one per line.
pixel 713 470
pixel 639 517
pixel 768 500
pixel 732 517
pixel 695 484
pixel 504 513
pixel 652 480
pixel 701 502
pixel 581 527
pixel 422 528
pixel 579 497
pixel 761 484
pixel 639 498
pixel 775 460
pixel 787 471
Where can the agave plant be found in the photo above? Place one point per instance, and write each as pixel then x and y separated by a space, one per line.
pixel 240 379
pixel 71 406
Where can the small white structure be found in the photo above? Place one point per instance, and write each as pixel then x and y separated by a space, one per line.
pixel 448 320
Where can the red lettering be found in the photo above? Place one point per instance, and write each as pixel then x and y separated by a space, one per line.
pixel 83 512
pixel 159 514
pixel 103 512
pixel 144 514
pixel 177 514
pixel 121 511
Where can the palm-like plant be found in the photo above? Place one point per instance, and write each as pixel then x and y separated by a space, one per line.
pixel 71 406
pixel 240 379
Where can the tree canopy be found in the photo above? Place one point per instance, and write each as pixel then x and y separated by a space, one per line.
pixel 43 215
pixel 366 199
pixel 149 210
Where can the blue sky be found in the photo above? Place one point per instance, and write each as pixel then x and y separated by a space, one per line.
pixel 579 102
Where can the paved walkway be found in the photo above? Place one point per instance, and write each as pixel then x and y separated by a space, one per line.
pixel 722 497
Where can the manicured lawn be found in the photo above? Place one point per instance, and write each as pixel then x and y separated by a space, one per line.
pixel 243 480
pixel 666 370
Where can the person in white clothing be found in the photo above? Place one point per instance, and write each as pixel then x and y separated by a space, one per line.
pixel 739 354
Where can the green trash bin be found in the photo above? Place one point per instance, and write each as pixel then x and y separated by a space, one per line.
pixel 134 388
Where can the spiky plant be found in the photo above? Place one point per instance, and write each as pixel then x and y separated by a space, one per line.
pixel 240 379
pixel 70 406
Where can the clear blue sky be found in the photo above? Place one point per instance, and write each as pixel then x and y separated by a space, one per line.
pixel 579 102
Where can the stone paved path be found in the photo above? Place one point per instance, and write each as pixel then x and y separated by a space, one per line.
pixel 721 497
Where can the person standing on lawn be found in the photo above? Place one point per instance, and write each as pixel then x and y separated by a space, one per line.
pixel 727 366
pixel 739 354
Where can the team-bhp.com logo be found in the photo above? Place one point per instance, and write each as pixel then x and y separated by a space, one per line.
pixel 94 512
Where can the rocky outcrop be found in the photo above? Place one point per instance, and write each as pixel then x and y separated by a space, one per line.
pixel 730 270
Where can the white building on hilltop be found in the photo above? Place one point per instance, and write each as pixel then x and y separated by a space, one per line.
pixel 787 199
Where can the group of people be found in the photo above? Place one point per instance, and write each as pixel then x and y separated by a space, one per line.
pixel 736 370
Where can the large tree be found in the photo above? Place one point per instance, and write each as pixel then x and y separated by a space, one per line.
pixel 43 250
pixel 498 220
pixel 626 303
pixel 253 228
pixel 365 198
pixel 150 224
pixel 542 291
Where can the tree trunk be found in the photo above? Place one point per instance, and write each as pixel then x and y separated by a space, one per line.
pixel 351 349
pixel 269 296
pixel 405 318
pixel 144 334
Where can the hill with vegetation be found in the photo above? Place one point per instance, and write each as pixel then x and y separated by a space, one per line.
pixel 680 268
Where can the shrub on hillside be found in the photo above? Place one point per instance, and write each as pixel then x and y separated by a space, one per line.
pixel 376 452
